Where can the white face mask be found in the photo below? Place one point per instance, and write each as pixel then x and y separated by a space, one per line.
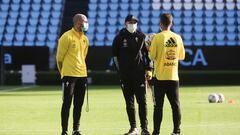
pixel 132 27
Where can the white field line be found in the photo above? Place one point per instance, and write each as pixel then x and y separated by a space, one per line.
pixel 18 88
pixel 231 125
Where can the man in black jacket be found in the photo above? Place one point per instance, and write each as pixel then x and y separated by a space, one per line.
pixel 131 60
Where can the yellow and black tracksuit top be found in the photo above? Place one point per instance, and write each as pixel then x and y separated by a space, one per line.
pixel 166 50
pixel 71 53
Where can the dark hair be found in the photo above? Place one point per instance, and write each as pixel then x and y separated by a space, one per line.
pixel 166 19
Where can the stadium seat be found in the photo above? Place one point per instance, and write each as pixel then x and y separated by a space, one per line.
pixel 58 1
pixel 110 36
pixel 92 14
pixel 198 20
pixel 34 14
pixel 187 28
pixel 144 21
pixel 209 13
pixel 20 29
pixel 230 21
pixel 230 13
pixel 24 14
pixel 145 6
pixel 111 29
pixel 177 28
pixel 155 28
pixel 22 21
pixel 5 1
pixel 220 21
pixel 198 28
pixel 231 28
pixel 156 6
pixel 47 1
pixel 198 13
pixel 187 20
pixel 187 13
pixel 208 20
pixel 188 5
pixel 187 39
pixel 14 7
pixel 52 37
pixel 177 21
pixel 220 39
pixel 220 28
pixel 198 6
pixel 219 5
pixel 112 21
pixel 231 39
pixel 102 14
pixel 31 29
pixel 26 1
pixel 101 21
pixel 45 14
pixel 18 43
pixel 134 6
pixel 103 1
pixel 19 37
pixel 209 39
pixel 54 21
pixel 219 13
pixel 144 28
pixel 123 14
pixel 102 7
pixel 92 6
pixel 13 14
pixel 55 14
pixel 36 7
pixel 167 5
pixel 209 28
pixel 177 13
pixel 42 29
pixel 145 13
pixel 113 14
pixel 155 21
pixel 101 30
pixel 113 6
pixel 12 22
pixel 177 5
pixel 25 7
pixel 209 5
pixel 4 7
pixel 124 6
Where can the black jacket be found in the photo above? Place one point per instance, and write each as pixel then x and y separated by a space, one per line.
pixel 131 52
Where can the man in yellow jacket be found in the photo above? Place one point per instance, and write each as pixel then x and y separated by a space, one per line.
pixel 166 50
pixel 71 54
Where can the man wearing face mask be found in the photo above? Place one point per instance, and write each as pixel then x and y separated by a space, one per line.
pixel 131 60
pixel 71 54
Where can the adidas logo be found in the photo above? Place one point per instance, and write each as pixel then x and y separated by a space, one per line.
pixel 170 43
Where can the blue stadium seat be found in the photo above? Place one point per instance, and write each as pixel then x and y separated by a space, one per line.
pixel 187 28
pixel 101 29
pixel 37 1
pixel 219 13
pixel 110 36
pixel 92 6
pixel 177 29
pixel 30 37
pixel 90 36
pixel 231 28
pixel 177 21
pixel 99 43
pixel 220 39
pixel 111 29
pixel 13 14
pixel 47 7
pixel 101 21
pixel 123 14
pixel 41 37
pixel 134 6
pixel 155 21
pixel 8 36
pixel 4 7
pixel 155 13
pixel 103 1
pixel 57 7
pixel 154 28
pixel 36 7
pixel 12 22
pixel 209 13
pixel 113 6
pixel 19 37
pixel 34 14
pixel 3 15
pixel 6 1
pixel 14 7
pixel 208 20
pixel 113 14
pixel 24 14
pixel 156 6
pixel 198 20
pixel 45 14
pixel 230 21
pixel 144 21
pixel 44 22
pixel 51 45
pixel 145 6
pixel 177 5
pixel 187 13
pixel 220 21
pixel 198 13
pixel 26 1
pixel 145 13
pixel 219 5
pixel 209 5
pixel 198 39
pixel 209 28
pixel 144 28
pixel 102 6
pixel 177 13
pixel 54 21
pixel 198 5
pixel 92 14
pixel 112 21
pixel 124 6
pixel 134 12
pixel 91 30
pixel 52 37
pixel 187 20
pixel 230 5
pixel 42 29
pixel 198 28
pixel 58 1
pixel 2 22
pixel 167 5
pixel 99 36
pixel 187 38
pixel 230 13
pixel 17 43
pixel 114 1
pixel 1 31
pixel 220 28
pixel 55 14
pixel 22 21
pixel 209 39
pixel 231 39
pixel 31 29
pixel 33 22
pixel 188 5
pixel 47 1
pixel 20 29
pixel 124 1
pixel 102 14
pixel 25 7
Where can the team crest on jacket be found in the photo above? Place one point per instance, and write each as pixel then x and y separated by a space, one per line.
pixel 136 39
pixel 125 43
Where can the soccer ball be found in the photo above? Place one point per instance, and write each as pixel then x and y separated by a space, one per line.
pixel 213 98
pixel 221 98
pixel 148 38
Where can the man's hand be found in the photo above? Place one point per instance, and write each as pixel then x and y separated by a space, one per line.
pixel 148 75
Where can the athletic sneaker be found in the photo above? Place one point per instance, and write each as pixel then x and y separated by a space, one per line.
pixel 76 132
pixel 145 132
pixel 64 133
pixel 175 134
pixel 132 131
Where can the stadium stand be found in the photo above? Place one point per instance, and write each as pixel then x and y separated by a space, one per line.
pixel 201 23
pixel 30 22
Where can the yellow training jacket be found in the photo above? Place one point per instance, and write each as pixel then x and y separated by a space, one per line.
pixel 165 50
pixel 71 53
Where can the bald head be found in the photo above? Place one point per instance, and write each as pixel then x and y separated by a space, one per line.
pixel 79 18
pixel 80 22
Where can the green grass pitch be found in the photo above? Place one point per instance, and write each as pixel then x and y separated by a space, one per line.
pixel 36 111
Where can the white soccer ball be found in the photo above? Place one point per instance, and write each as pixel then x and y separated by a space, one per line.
pixel 221 98
pixel 213 98
pixel 148 38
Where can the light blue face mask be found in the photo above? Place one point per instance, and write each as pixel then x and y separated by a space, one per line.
pixel 85 27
